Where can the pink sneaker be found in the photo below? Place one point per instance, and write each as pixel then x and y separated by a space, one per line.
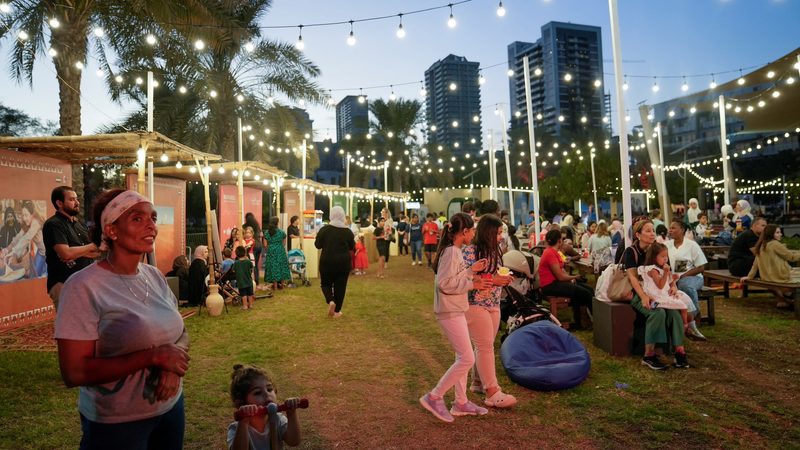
pixel 468 409
pixel 500 400
pixel 436 407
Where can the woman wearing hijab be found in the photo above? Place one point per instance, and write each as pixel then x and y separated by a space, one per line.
pixel 336 242
pixel 743 212
pixel 691 214
pixel 198 271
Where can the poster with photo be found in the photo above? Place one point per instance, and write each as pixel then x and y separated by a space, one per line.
pixel 22 253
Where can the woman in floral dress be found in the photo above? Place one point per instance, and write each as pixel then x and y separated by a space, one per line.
pixel 277 264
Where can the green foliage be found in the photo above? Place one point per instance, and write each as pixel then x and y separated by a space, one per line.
pixel 14 122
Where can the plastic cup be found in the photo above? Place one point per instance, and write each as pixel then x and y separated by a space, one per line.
pixel 504 271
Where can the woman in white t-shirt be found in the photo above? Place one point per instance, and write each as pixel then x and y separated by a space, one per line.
pixel 687 260
pixel 120 336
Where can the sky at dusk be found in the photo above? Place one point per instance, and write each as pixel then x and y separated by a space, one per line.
pixel 659 38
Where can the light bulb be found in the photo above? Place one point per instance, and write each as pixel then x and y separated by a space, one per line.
pixel 481 79
pixel 99 32
pixel 740 81
pixel 453 86
pixel 52 52
pixel 79 65
pixel 625 86
pixel 392 97
pixel 138 80
pixel 712 85
pixel 118 78
pixel 685 87
pixel 164 157
pixel 655 87
pixel 770 74
pixel 22 35
pixel 790 80
pixel 54 23
pixel 178 165
pixel 300 45
pixel 597 83
pixel 537 71
pixel 182 89
pixel 351 39
pixel 423 92
pixel 240 98
pixel 213 94
pixel 501 11
pixel 510 73
pixel 567 76
pixel 150 39
pixel 361 99
pixel 401 32
pixel 199 44
pixel 5 8
pixel 451 22
pixel 99 72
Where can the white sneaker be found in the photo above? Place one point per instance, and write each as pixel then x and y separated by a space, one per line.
pixel 413 263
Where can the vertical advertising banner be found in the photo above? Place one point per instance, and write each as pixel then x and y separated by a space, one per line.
pixel 26 182
pixel 170 205
pixel 228 208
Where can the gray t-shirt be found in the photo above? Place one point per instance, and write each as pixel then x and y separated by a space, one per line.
pixel 260 441
pixel 97 305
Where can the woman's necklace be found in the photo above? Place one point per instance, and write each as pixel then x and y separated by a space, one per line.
pixel 146 282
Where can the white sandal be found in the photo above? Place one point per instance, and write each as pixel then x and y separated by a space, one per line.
pixel 500 400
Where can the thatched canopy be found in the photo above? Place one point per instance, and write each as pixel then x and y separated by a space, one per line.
pixel 118 148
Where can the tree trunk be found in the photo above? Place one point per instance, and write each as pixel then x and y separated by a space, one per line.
pixel 70 42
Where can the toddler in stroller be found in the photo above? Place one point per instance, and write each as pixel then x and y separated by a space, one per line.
pixel 297 266
pixel 520 306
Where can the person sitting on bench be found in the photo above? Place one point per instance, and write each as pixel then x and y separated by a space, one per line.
pixel 772 259
pixel 687 260
pixel 555 282
pixel 741 255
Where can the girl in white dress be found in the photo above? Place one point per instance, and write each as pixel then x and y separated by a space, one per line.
pixel 659 283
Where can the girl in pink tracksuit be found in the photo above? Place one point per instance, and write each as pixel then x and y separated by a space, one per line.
pixel 454 279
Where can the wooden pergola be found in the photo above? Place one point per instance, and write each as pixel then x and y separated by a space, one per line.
pixel 142 148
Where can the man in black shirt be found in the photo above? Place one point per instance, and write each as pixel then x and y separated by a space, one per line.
pixel 740 255
pixel 66 240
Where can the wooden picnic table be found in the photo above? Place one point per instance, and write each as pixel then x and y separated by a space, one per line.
pixel 726 278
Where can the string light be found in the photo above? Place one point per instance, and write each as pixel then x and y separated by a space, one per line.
pixel 655 87
pixel 150 39
pixel 481 79
pixel 685 85
pixel 99 32
pixel 22 35
pixel 451 22
pixel 54 23
pixel 5 8
pixel 625 85
pixel 401 32
pixel 501 11
pixel 300 45
pixel 199 44
pixel 351 39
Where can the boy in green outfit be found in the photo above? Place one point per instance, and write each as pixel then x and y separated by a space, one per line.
pixel 243 268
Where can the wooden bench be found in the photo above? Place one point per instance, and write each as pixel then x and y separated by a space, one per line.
pixel 706 294
pixel 780 288
pixel 559 302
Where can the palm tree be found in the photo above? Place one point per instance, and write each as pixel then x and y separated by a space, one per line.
pixel 201 94
pixel 74 25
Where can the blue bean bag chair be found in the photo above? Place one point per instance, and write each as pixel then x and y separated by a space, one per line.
pixel 543 356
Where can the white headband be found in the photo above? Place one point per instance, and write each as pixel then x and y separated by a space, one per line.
pixel 117 207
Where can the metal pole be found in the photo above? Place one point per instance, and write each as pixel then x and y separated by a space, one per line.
pixel 492 173
pixel 150 101
pixel 302 190
pixel 594 189
pixel 508 166
pixel 623 133
pixel 785 208
pixel 386 184
pixel 663 176
pixel 141 157
pixel 723 143
pixel 532 149
pixel 240 166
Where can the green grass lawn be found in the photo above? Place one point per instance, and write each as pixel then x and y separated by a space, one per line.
pixel 363 374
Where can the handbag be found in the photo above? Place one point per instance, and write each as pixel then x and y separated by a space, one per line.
pixel 613 284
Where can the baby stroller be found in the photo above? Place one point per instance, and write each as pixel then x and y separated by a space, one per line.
pixel 525 312
pixel 297 266
pixel 525 272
